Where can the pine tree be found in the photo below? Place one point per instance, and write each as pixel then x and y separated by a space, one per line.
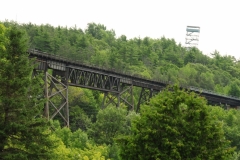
pixel 23 133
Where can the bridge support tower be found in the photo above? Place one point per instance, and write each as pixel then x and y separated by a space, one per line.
pixel 56 94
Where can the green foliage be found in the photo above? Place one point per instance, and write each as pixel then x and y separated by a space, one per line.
pixel 75 145
pixel 23 133
pixel 83 108
pixel 3 38
pixel 175 125
pixel 230 119
pixel 223 62
pixel 234 89
pixel 110 122
pixel 79 119
pixel 76 139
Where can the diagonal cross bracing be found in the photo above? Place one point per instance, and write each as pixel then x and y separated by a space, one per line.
pixel 93 80
pixel 125 96
pixel 55 92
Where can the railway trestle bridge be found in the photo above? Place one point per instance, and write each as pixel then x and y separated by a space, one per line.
pixel 117 87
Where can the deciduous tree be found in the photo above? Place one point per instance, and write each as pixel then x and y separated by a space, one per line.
pixel 110 122
pixel 175 125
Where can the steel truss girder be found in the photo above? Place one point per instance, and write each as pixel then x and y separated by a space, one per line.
pixel 56 94
pixel 124 96
pixel 93 80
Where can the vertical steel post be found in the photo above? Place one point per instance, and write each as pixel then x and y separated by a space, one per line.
pixel 67 105
pixel 104 99
pixel 140 99
pixel 132 97
pixel 118 99
pixel 46 109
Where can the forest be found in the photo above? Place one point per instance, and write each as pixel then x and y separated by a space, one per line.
pixel 175 124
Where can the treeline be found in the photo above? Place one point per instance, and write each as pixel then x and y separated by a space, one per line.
pixel 115 133
pixel 159 59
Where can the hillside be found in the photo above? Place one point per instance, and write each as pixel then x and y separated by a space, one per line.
pixel 161 59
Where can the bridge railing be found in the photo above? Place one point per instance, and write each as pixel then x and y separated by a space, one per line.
pixel 129 74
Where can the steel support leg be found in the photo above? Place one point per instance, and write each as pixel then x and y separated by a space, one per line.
pixel 56 94
pixel 144 97
pixel 126 96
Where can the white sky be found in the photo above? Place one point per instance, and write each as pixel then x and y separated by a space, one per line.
pixel 219 19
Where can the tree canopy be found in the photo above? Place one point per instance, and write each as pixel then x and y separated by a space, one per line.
pixel 175 125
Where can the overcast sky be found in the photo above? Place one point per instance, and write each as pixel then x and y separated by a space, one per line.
pixel 219 20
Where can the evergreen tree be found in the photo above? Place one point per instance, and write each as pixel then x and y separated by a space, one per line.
pixel 23 133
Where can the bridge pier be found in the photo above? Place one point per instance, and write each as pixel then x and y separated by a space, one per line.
pixel 56 94
pixel 145 96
